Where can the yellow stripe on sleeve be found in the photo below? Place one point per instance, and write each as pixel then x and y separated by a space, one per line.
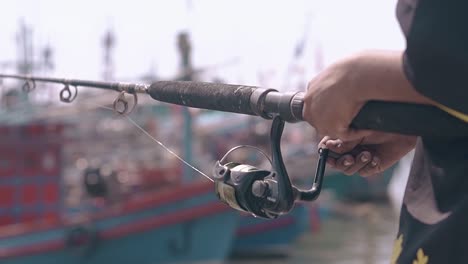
pixel 455 113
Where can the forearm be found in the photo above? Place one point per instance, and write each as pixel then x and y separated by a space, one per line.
pixel 385 79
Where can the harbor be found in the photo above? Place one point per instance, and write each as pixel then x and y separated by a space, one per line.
pixel 364 237
pixel 100 169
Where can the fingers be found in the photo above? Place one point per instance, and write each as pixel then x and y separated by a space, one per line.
pixel 333 145
pixel 338 146
pixel 351 165
pixel 368 156
pixel 322 143
pixel 344 163
pixel 372 168
pixel 362 162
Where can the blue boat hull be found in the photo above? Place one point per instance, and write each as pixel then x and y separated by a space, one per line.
pixel 196 229
pixel 261 236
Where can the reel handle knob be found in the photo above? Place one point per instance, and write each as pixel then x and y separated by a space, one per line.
pixel 260 189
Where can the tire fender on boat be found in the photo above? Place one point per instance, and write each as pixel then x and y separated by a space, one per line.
pixel 82 240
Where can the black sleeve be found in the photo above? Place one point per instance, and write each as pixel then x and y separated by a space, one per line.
pixel 436 57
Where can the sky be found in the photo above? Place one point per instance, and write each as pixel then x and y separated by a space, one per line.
pixel 247 38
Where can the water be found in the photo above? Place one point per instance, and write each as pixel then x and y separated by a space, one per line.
pixel 361 234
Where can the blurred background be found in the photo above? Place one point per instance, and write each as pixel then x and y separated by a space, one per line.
pixel 79 184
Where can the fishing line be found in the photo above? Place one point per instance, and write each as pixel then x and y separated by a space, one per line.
pixel 168 149
pixel 157 141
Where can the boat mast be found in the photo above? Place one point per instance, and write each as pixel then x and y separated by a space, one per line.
pixel 184 48
pixel 108 60
pixel 185 52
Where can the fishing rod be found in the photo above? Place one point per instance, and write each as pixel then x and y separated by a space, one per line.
pixel 265 193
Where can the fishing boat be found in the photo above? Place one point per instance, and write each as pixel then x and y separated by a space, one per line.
pixel 147 215
pixel 183 225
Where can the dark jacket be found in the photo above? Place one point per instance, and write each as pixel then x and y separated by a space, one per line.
pixel 434 217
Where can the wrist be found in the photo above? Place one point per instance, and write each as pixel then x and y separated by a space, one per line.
pixel 379 75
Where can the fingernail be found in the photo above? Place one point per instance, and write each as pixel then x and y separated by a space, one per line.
pixel 347 163
pixel 365 158
pixel 374 162
pixel 339 145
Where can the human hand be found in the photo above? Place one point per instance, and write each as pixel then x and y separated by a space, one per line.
pixel 337 94
pixel 332 100
pixel 369 155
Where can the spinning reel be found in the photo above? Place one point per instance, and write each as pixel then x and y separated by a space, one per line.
pixel 264 193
